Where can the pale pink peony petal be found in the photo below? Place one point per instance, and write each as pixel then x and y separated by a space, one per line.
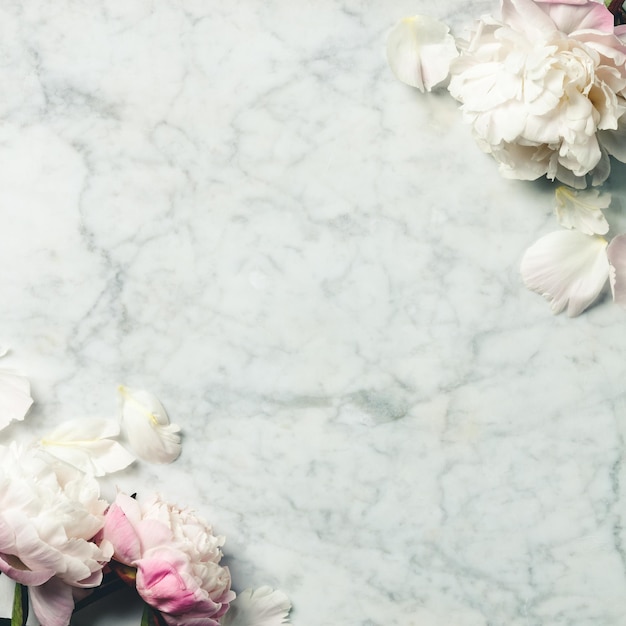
pixel 258 607
pixel 617 258
pixel 420 51
pixel 52 602
pixel 569 17
pixel 568 268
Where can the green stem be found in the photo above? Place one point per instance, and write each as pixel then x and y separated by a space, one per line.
pixel 20 605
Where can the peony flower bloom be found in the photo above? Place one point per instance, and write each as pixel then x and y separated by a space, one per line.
pixel 48 517
pixel 177 560
pixel 544 88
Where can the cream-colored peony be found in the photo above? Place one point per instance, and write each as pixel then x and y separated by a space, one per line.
pixel 49 514
pixel 544 88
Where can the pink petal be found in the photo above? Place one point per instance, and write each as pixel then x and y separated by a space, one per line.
pixel 121 533
pixel 617 258
pixel 14 569
pixel 569 17
pixel 52 602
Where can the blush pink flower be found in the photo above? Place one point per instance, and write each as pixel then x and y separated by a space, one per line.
pixel 176 557
pixel 544 88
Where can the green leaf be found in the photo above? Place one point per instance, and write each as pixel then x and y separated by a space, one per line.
pixel 20 605
pixel 151 617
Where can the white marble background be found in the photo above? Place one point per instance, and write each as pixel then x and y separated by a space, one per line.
pixel 236 206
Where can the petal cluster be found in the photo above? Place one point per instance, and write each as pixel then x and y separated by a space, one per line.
pixel 177 560
pixel 544 88
pixel 49 515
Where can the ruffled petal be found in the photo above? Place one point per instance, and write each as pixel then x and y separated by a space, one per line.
pixel 258 607
pixel 147 426
pixel 582 210
pixel 568 268
pixel 420 51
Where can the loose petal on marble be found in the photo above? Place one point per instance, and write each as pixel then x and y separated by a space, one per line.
pixel 89 446
pixel 147 426
pixel 258 607
pixel 616 253
pixel 15 398
pixel 568 268
pixel 420 51
pixel 582 209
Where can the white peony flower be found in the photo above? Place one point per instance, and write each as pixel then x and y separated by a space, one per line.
pixel 420 50
pixel 48 516
pixel 544 88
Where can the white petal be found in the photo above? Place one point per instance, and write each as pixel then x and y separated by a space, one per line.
pixel 420 50
pixel 87 444
pixel 147 426
pixel 15 399
pixel 259 607
pixel 617 258
pixel 582 209
pixel 568 268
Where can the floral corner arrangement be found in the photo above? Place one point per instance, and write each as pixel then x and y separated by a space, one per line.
pixel 65 547
pixel 543 85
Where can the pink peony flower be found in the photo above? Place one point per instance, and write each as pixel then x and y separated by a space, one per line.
pixel 544 87
pixel 176 557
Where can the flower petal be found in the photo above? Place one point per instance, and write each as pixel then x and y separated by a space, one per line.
pixel 420 50
pixel 147 426
pixel 15 399
pixel 259 607
pixel 582 209
pixel 87 444
pixel 568 268
pixel 52 602
pixel 616 253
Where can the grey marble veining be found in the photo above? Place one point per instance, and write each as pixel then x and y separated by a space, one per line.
pixel 236 206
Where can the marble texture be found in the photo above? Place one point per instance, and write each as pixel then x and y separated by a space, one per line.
pixel 236 206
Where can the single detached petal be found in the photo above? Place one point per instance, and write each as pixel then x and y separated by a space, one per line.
pixel 616 253
pixel 582 209
pixel 568 268
pixel 259 607
pixel 147 426
pixel 88 445
pixel 420 51
pixel 15 399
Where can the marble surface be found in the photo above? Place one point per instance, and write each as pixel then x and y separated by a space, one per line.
pixel 236 206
